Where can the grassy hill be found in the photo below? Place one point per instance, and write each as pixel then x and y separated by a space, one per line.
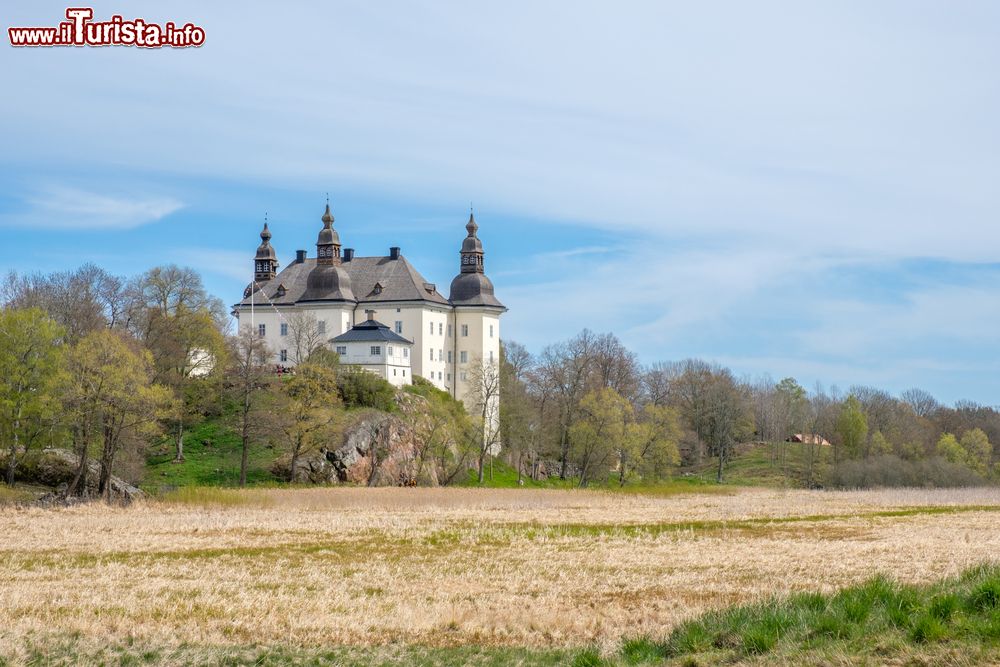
pixel 211 458
pixel 781 465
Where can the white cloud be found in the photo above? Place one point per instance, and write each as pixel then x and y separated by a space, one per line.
pixel 70 208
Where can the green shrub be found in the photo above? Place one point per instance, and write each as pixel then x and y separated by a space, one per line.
pixel 360 389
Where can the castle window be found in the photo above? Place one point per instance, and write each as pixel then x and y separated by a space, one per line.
pixel 404 372
pixel 406 353
pixel 399 326
pixel 440 355
pixel 284 328
pixel 388 350
pixel 432 354
pixel 432 328
pixel 261 330
pixel 342 350
pixel 440 328
pixel 465 330
pixel 376 350
pixel 491 356
pixel 321 327
pixel 284 355
pixel 449 331
pixel 463 376
pixel 463 357
pixel 378 288
pixel 449 356
pixel 491 331
pixel 393 370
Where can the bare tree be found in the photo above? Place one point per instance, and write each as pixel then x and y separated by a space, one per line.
pixel 249 380
pixel 565 369
pixel 922 402
pixel 303 330
pixel 484 395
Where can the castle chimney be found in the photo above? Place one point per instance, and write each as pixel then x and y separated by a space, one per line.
pixel 348 254
pixel 371 315
pixel 300 256
pixel 394 252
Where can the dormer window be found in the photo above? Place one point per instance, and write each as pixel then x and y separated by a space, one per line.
pixel 377 289
pixel 281 290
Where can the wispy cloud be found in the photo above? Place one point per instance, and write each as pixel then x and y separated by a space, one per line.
pixel 58 207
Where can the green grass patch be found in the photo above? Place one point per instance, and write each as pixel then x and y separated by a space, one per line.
pixel 776 465
pixel 20 493
pixel 858 623
pixel 212 453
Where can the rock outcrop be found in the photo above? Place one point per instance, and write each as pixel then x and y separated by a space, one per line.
pixel 378 449
pixel 56 468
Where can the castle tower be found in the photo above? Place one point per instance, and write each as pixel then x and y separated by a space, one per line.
pixel 265 264
pixel 476 319
pixel 328 242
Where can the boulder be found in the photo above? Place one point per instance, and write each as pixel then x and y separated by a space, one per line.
pixel 314 467
pixel 55 468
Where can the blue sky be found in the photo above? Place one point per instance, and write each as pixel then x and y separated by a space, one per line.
pixel 805 189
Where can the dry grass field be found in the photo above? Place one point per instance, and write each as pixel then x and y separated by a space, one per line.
pixel 456 567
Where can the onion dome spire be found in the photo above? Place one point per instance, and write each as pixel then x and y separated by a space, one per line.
pixel 471 287
pixel 328 242
pixel 266 261
pixel 472 248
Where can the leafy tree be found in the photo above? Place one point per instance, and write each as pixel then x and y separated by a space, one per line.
pixel 979 451
pixel 655 437
pixel 879 446
pixel 31 360
pixel 310 410
pixel 113 399
pixel 445 431
pixel 949 448
pixel 599 432
pixel 852 427
pixel 181 325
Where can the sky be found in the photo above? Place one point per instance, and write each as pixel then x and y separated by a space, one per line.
pixel 786 188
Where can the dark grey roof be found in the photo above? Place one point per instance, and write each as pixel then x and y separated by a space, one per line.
pixel 370 330
pixel 398 279
pixel 327 282
pixel 265 250
pixel 473 289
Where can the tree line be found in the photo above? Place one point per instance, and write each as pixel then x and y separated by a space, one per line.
pixel 104 366
pixel 585 408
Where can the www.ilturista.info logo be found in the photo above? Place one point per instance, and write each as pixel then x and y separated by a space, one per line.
pixel 79 30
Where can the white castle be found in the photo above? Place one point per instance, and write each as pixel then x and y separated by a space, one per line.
pixel 378 313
